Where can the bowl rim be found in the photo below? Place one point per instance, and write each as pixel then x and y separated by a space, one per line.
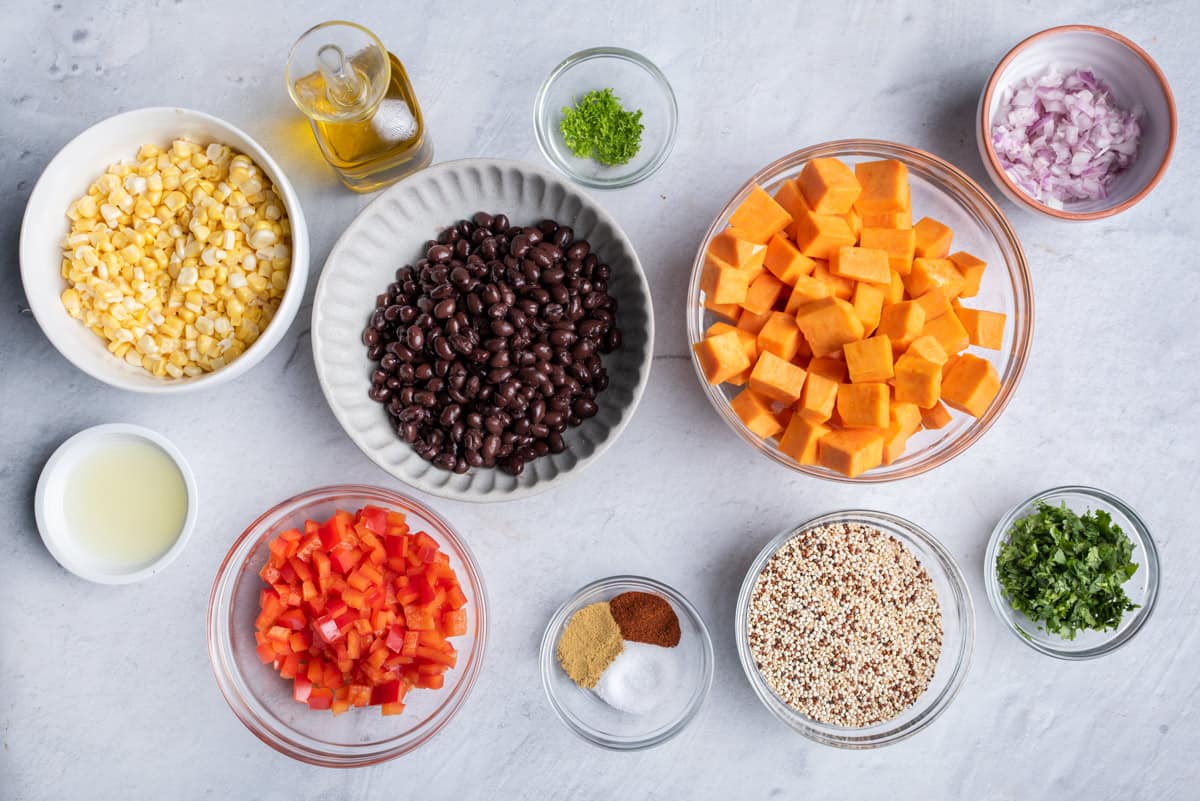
pixel 998 172
pixel 633 57
pixel 60 460
pixel 269 337
pixel 1023 335
pixel 447 491
pixel 822 732
pixel 548 663
pixel 1114 638
pixel 218 658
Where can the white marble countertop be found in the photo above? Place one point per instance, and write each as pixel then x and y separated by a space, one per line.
pixel 107 692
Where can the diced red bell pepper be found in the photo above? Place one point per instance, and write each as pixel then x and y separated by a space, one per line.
pixel 418 617
pixel 278 633
pixel 346 618
pixel 374 518
pixel 344 559
pixel 327 628
pixel 396 547
pixel 308 547
pixel 289 667
pixel 359 694
pixel 371 573
pixel 308 591
pixel 434 682
pixel 293 619
pixel 354 598
pixel 357 604
pixel 387 693
pixel 301 569
pixel 333 676
pixel 337 532
pixel 358 581
pixel 455 599
pixel 447 658
pixel 300 640
pixel 432 638
pixel 320 698
pixel 425 592
pixel 278 548
pixel 395 638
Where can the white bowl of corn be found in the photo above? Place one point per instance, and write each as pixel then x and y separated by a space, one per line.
pixel 163 250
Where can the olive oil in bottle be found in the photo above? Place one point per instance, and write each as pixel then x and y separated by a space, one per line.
pixel 360 104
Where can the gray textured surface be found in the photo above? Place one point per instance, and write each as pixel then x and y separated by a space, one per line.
pixel 107 692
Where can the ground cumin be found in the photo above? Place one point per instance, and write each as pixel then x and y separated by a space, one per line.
pixel 589 644
pixel 646 617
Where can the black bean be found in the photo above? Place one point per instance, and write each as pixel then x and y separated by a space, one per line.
pixel 578 251
pixel 487 348
pixel 520 246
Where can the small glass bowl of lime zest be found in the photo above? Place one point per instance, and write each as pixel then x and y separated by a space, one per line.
pixel 635 85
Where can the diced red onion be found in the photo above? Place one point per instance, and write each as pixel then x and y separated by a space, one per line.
pixel 1061 137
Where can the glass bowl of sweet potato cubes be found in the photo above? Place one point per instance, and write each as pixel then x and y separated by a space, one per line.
pixel 860 311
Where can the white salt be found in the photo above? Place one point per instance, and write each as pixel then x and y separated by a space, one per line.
pixel 640 678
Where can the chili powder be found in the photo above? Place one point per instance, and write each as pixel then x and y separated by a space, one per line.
pixel 646 617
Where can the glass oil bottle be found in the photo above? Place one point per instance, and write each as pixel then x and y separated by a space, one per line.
pixel 360 104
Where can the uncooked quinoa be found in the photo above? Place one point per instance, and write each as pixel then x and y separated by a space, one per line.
pixel 845 625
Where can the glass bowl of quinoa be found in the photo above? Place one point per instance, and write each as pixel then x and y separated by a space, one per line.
pixel 855 628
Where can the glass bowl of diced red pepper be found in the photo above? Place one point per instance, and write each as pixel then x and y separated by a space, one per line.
pixel 347 625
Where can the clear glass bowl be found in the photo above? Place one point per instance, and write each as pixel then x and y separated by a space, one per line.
pixel 584 713
pixel 958 635
pixel 943 192
pixel 1142 587
pixel 263 701
pixel 637 83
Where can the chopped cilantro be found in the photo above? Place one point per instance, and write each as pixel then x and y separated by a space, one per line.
pixel 599 127
pixel 1066 571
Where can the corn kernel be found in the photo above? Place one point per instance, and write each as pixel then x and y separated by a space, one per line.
pixel 148 255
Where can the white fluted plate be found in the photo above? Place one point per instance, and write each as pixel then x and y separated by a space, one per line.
pixel 389 234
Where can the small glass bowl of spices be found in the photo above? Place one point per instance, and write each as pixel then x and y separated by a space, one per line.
pixel 606 117
pixel 855 628
pixel 1073 572
pixel 626 662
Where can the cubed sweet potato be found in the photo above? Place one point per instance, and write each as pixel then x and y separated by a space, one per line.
pixel 759 217
pixel 721 356
pixel 932 238
pixel 828 324
pixel 869 359
pixel 970 385
pixel 850 451
pixel 828 186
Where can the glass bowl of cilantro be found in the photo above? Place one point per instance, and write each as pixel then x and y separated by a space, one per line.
pixel 1073 572
pixel 606 117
